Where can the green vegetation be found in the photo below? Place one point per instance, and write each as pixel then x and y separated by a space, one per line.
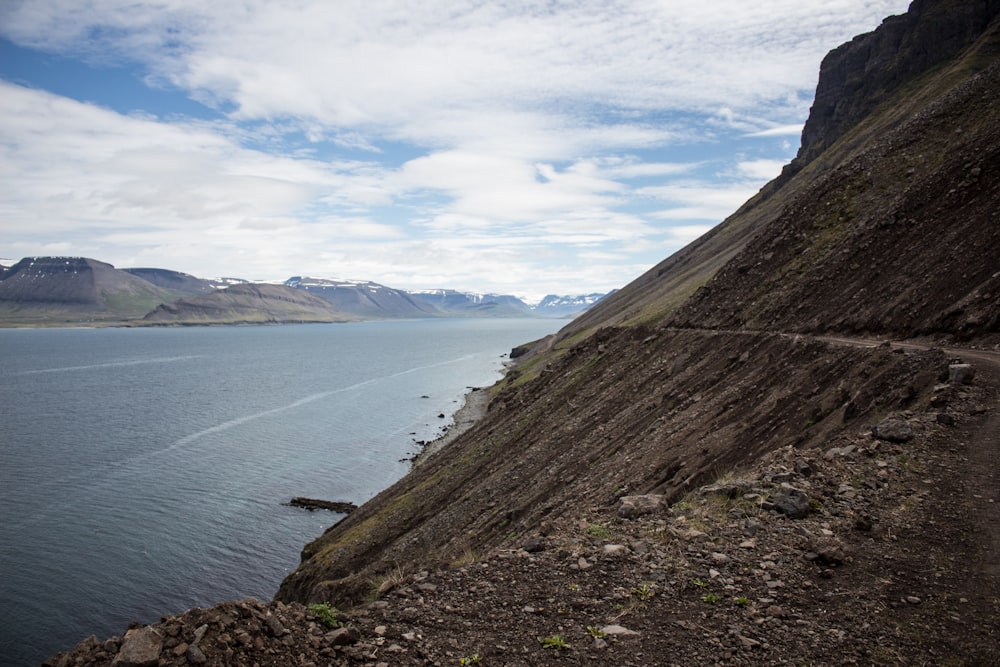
pixel 473 659
pixel 325 613
pixel 595 632
pixel 599 530
pixel 553 641
pixel 711 598
pixel 742 601
pixel 644 591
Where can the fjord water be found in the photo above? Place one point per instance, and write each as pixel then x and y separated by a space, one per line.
pixel 144 471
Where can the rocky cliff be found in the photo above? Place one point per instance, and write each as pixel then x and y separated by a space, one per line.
pixel 859 76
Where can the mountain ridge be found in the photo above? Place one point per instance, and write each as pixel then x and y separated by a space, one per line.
pixel 250 303
pixel 61 291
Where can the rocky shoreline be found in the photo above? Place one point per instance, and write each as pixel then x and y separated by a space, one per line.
pixel 473 408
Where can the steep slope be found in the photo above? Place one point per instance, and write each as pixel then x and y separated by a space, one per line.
pixel 900 239
pixel 878 161
pixel 62 290
pixel 247 304
pixel 638 395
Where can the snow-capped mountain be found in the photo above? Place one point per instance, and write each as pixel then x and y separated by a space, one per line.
pixel 453 302
pixel 555 305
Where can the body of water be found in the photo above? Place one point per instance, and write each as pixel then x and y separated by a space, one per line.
pixel 144 471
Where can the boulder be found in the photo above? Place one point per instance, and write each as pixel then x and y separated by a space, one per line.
pixel 961 373
pixel 893 430
pixel 633 506
pixel 313 504
pixel 343 637
pixel 791 502
pixel 141 648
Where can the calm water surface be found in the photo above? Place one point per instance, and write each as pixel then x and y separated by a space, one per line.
pixel 143 471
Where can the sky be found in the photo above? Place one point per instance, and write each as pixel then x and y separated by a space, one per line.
pixel 506 146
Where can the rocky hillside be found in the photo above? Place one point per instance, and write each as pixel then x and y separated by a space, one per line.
pixel 250 303
pixel 713 465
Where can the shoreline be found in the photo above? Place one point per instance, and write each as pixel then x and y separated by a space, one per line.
pixel 473 409
pixel 477 400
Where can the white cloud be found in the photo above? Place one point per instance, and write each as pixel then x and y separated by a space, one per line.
pixel 761 170
pixel 696 201
pixel 795 129
pixel 449 142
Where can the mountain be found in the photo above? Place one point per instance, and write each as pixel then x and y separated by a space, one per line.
pixel 364 299
pixel 73 290
pixel 553 305
pixel 250 303
pixel 181 282
pixel 653 458
pixel 471 304
pixel 58 291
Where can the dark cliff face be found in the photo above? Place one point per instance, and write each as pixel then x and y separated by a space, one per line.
pixel 860 75
pixel 889 227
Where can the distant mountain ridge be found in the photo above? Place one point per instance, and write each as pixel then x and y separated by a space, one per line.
pixel 54 291
pixel 476 304
pixel 554 305
pixel 363 298
pixel 250 303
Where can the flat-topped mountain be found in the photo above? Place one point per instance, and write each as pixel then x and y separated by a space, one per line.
pixel 72 290
pixel 566 305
